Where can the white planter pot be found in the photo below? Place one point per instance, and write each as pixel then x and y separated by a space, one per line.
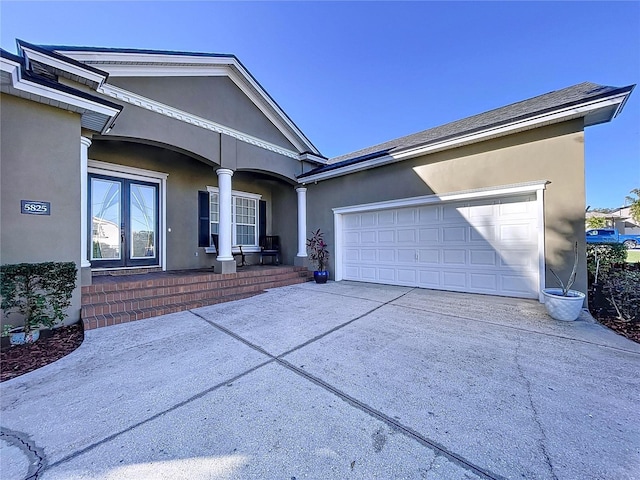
pixel 563 308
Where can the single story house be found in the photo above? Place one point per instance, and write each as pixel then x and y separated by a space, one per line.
pixel 137 159
pixel 620 219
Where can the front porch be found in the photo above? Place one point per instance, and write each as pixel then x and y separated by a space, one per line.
pixel 115 299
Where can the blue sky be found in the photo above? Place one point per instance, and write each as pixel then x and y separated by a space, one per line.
pixel 354 74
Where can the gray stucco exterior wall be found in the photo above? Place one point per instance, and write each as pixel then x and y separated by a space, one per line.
pixel 40 160
pixel 554 153
pixel 214 98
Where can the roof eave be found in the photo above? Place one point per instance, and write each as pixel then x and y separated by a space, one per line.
pixel 599 110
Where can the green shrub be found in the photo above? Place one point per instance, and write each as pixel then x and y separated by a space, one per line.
pixel 622 290
pixel 41 292
pixel 609 254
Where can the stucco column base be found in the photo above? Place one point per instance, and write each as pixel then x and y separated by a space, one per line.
pixel 227 266
pixel 85 276
pixel 301 262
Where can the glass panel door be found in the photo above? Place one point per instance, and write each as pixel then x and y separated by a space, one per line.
pixel 143 220
pixel 124 222
pixel 106 218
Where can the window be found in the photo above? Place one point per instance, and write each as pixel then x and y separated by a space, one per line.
pixel 244 216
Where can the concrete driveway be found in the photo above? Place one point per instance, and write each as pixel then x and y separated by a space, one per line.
pixel 335 381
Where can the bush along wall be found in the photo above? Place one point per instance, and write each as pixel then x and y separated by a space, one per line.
pixel 601 259
pixel 615 284
pixel 39 292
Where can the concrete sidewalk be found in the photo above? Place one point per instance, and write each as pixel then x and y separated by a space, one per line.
pixel 334 381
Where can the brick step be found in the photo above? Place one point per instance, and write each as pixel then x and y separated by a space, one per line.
pixel 130 299
pixel 141 301
pixel 131 282
pixel 134 290
pixel 109 319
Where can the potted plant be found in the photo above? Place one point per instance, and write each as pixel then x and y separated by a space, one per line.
pixel 39 292
pixel 563 303
pixel 319 255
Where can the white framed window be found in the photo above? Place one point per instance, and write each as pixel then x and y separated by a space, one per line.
pixel 244 217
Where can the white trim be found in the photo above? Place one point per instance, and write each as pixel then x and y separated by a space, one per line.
pixel 133 173
pixel 499 191
pixel 542 271
pixel 491 192
pixel 514 127
pixel 161 64
pixel 186 117
pixel 89 75
pixel 236 193
pixel 47 92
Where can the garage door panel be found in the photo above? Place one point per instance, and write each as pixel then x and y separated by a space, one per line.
pixel 386 255
pixel 429 214
pixel 454 234
pixel 407 235
pixel 368 219
pixel 407 276
pixel 366 255
pixel 483 258
pixel 387 236
pixel 516 284
pixel 429 278
pixel 429 235
pixel 456 280
pixel 426 255
pixel 454 257
pixel 387 274
pixel 406 255
pixel 516 232
pixel 483 281
pixel 368 236
pixel 482 246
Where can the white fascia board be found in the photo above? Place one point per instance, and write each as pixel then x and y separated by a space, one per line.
pixel 310 157
pixel 528 124
pixel 150 64
pixel 497 191
pixel 182 116
pixel 63 98
pixel 33 55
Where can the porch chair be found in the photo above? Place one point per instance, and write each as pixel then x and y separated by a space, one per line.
pixel 214 242
pixel 270 247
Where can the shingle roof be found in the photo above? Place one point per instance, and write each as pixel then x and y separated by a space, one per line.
pixel 491 119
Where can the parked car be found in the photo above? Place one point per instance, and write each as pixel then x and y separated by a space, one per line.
pixel 609 235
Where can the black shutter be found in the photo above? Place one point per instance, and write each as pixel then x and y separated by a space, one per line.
pixel 262 227
pixel 203 219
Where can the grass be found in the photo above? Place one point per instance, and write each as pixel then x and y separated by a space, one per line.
pixel 633 256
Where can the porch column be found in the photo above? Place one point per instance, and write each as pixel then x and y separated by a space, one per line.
pixel 85 143
pixel 302 222
pixel 224 192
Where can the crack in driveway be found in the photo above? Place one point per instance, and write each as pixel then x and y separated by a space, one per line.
pixel 536 418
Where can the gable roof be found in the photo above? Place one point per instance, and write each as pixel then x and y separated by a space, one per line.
pixel 139 62
pixel 595 103
pixel 18 78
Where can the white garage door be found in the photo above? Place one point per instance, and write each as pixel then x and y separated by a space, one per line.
pixel 485 246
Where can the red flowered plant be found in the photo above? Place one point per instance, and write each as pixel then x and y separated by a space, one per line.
pixel 318 252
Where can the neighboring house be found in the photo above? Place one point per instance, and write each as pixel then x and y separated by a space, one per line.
pixel 619 219
pixel 172 147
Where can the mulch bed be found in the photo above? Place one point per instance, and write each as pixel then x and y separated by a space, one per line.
pixel 626 329
pixel 17 360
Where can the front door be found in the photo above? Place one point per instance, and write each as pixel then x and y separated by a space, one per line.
pixel 124 222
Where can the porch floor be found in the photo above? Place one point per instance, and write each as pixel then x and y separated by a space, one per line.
pixel 122 298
